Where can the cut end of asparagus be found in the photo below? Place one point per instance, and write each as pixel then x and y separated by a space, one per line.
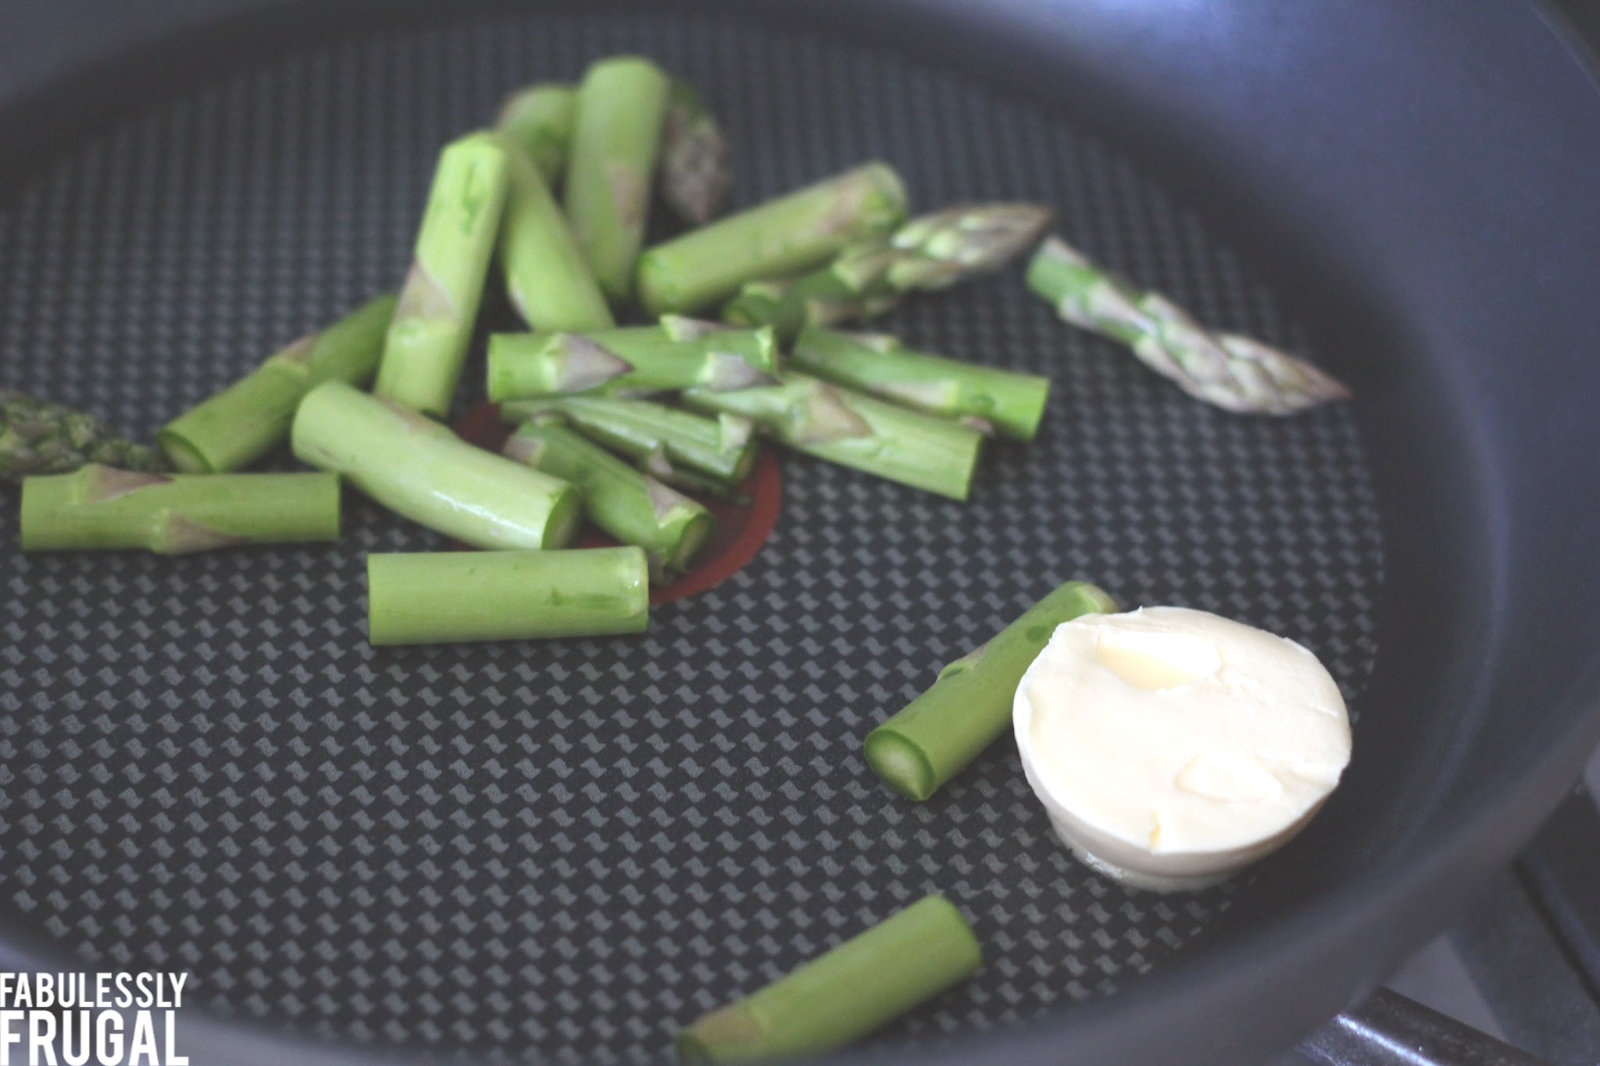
pixel 873 200
pixel 565 511
pixel 900 763
pixel 182 453
pixel 727 1030
pixel 539 118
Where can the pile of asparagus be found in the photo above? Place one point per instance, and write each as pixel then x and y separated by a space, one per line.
pixel 622 425
pixel 625 424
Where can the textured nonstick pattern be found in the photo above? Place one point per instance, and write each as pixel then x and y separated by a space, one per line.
pixel 568 848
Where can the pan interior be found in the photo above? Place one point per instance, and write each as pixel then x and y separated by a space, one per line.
pixel 568 848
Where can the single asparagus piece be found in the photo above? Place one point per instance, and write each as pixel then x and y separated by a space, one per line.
pixel 682 478
pixel 622 106
pixel 853 429
pixel 785 236
pixel 723 448
pixel 969 705
pixel 547 277
pixel 427 339
pixel 932 251
pixel 1228 370
pixel 677 354
pixel 41 437
pixel 539 119
pixel 246 420
pixel 433 597
pixel 844 994
pixel 1009 403
pixel 631 506
pixel 418 468
pixel 98 507
pixel 694 176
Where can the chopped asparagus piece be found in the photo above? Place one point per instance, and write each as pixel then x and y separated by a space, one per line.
pixel 853 429
pixel 616 138
pixel 247 419
pixel 41 437
pixel 969 706
pixel 679 353
pixel 844 994
pixel 100 507
pixel 427 339
pixel 1230 371
pixel 539 119
pixel 723 448
pixel 932 251
pixel 877 363
pixel 631 506
pixel 547 277
pixel 784 236
pixel 419 469
pixel 433 597
pixel 694 176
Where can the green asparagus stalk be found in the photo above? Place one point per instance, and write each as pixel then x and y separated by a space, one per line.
pixel 41 437
pixel 853 429
pixel 418 468
pixel 435 597
pixel 932 251
pixel 969 705
pixel 427 339
pixel 100 507
pixel 694 176
pixel 622 106
pixel 723 448
pixel 682 478
pixel 679 353
pixel 844 994
pixel 539 119
pixel 984 397
pixel 788 235
pixel 1231 371
pixel 547 277
pixel 631 506
pixel 247 419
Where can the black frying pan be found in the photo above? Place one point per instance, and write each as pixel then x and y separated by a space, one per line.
pixel 208 769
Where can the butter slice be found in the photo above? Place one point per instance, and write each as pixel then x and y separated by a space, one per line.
pixel 1170 746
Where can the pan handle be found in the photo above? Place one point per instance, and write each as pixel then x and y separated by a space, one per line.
pixel 1389 1029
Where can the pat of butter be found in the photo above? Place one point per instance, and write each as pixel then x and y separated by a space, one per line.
pixel 1171 746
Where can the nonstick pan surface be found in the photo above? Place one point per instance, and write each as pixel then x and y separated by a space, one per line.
pixel 563 850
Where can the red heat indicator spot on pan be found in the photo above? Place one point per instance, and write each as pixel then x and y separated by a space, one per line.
pixel 741 529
